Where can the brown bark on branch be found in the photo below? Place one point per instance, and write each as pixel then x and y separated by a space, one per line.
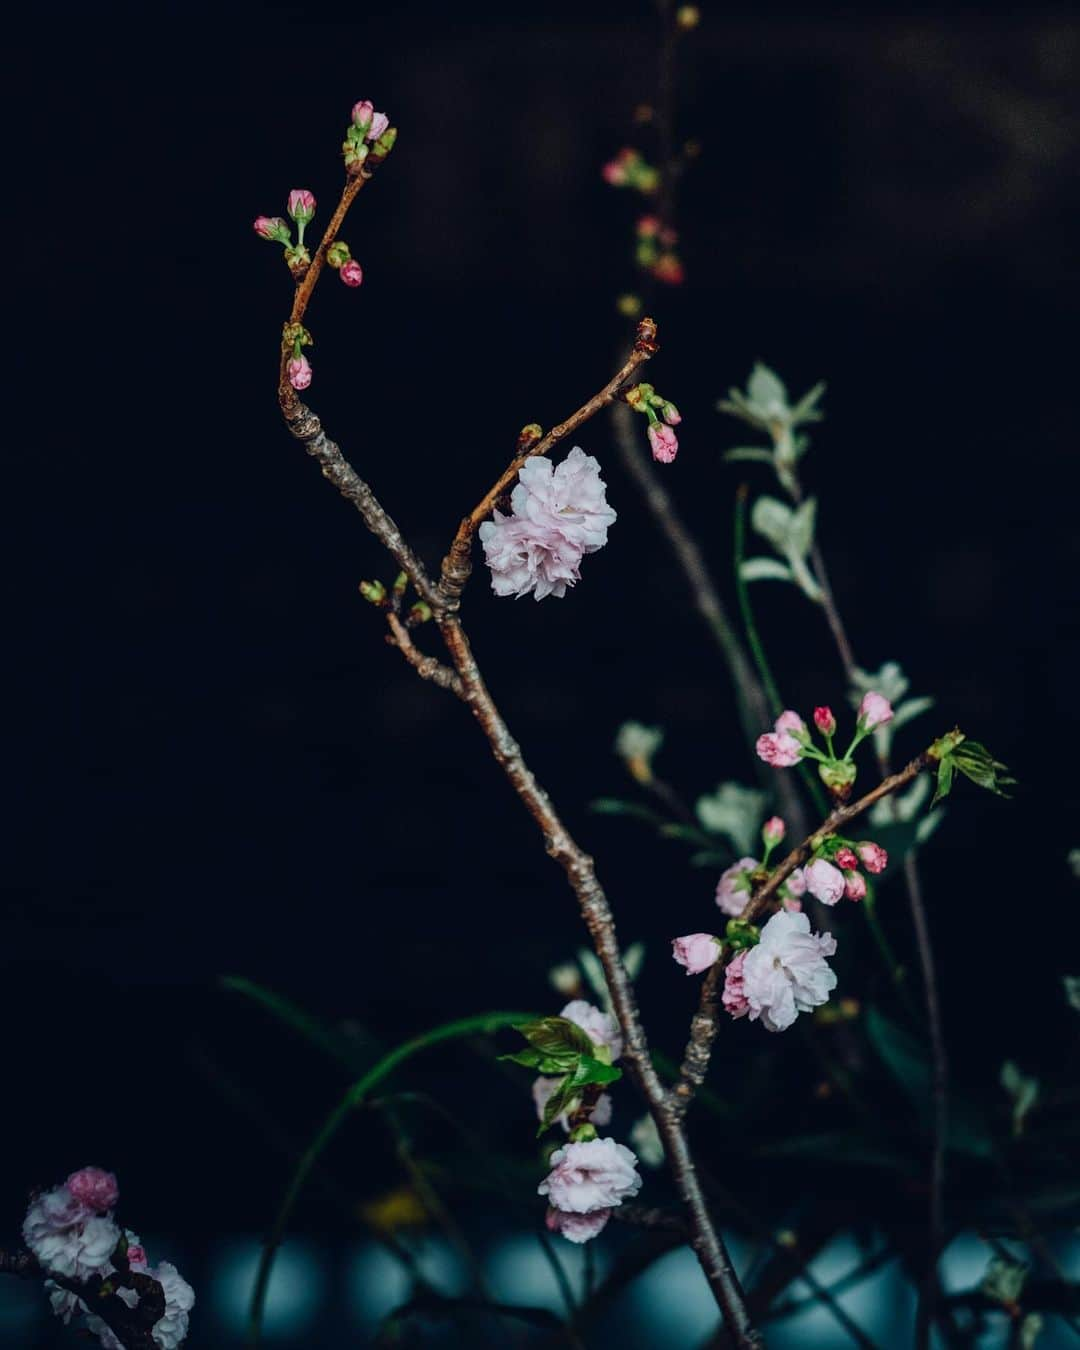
pixel 704 1026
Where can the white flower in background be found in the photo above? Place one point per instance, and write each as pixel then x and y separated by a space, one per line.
pixel 736 812
pixel 600 1027
pixel 786 973
pixel 170 1330
pixel 67 1237
pixel 589 1176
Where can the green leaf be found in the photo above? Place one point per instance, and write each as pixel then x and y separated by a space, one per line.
pixel 556 1037
pixel 801 533
pixel 691 834
pixel 754 453
pixel 546 1064
pixel 944 781
pixel 764 569
pixel 1024 1092
pixel 767 392
pixel 977 763
pixel 591 1070
pixel 901 1054
pixel 734 811
pixel 806 410
pixel 773 520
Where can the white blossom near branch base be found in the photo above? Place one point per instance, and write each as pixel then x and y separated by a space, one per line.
pixel 786 973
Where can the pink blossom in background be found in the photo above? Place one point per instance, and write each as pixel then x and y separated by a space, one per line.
pixel 301 204
pixel 733 890
pixel 854 885
pixel 874 711
pixel 664 442
pixel 589 1176
pixel 796 883
pixel 299 372
pixel 734 996
pixel 873 856
pixel 559 515
pixel 94 1187
pixel 600 1027
pixel 351 273
pixel 779 750
pixel 824 881
pixel 379 122
pixel 542 1089
pixel 790 722
pixel 786 973
pixel 825 721
pixel 696 951
pixel 773 830
pixel 577 1227
pixel 846 859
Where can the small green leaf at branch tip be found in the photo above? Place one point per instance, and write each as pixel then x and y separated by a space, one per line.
pixel 374 592
pixel 401 581
pixel 954 752
pixel 419 613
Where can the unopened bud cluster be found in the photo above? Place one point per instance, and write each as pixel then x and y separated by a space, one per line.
pixel 655 251
pixel 630 169
pixel 662 415
pixel 369 139
pixel 791 741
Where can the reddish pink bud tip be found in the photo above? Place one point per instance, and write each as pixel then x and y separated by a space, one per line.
pixel 873 857
pixel 94 1187
pixel 773 830
pixel 352 274
pixel 825 721
pixel 301 204
pixel 846 859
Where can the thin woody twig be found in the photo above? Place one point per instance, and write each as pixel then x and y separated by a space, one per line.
pixel 457 564
pixel 704 1025
pixel 427 667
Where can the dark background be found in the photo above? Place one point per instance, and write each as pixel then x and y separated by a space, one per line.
pixel 215 763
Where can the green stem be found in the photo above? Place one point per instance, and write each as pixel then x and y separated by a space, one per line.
pixel 354 1097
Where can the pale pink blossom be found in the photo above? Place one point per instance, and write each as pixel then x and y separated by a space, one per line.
pixel 825 721
pixel 696 951
pixel 559 515
pixel 873 857
pixel 600 1027
pixel 379 122
pixel 95 1187
pixel 351 273
pixel 171 1330
pixel 576 1227
pixel 824 881
pixel 854 885
pixel 733 888
pixel 874 711
pixel 779 749
pixel 301 204
pixel 846 859
pixel 773 830
pixel 734 996
pixel 299 372
pixel 790 722
pixel 589 1176
pixel 363 112
pixel 67 1236
pixel 542 1089
pixel 786 973
pixel 664 442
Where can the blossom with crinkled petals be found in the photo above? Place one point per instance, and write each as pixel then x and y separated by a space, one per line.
pixel 576 1227
pixel 779 747
pixel 824 880
pixel 299 372
pixel 94 1187
pixel 542 1089
pixel 873 857
pixel 664 443
pixel 786 973
pixel 854 885
pixel 351 273
pixel 790 722
pixel 170 1331
pixel 600 1027
pixel 874 711
pixel 696 951
pixel 66 1236
pixel 558 515
pixel 733 888
pixel 591 1175
pixel 846 859
pixel 734 996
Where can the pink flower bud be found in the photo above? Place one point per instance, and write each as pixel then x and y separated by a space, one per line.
pixel 352 274
pixel 299 371
pixel 379 123
pixel 272 227
pixel 779 749
pixel 854 885
pixel 734 996
pixel 874 711
pixel 301 204
pixel 773 830
pixel 671 415
pixel 696 951
pixel 94 1188
pixel 790 722
pixel 825 721
pixel 362 113
pixel 846 859
pixel 873 857
pixel 136 1255
pixel 664 442
pixel 825 881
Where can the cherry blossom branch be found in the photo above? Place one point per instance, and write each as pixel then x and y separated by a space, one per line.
pixel 132 1327
pixel 705 1024
pixel 427 667
pixel 457 564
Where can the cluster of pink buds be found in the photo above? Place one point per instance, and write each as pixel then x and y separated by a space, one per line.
pixel 301 209
pixel 655 251
pixel 84 1254
pixel 630 169
pixel 833 872
pixel 791 741
pixel 348 269
pixel 369 139
pixel 298 368
pixel 663 416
